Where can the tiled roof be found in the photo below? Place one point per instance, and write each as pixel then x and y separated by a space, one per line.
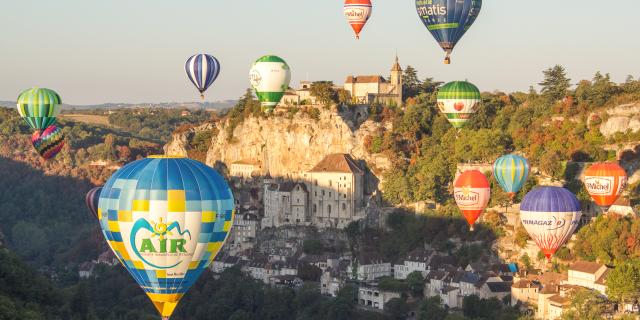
pixel 365 79
pixel 499 286
pixel 337 162
pixel 586 267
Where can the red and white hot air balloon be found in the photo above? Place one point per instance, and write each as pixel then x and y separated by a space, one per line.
pixel 357 13
pixel 605 182
pixel 472 192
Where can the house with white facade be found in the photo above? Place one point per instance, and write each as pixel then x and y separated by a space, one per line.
pixel 372 297
pixel 369 268
pixel 417 260
pixel 245 169
pixel 590 275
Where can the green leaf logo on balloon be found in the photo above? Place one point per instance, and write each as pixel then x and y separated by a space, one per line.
pixel 161 231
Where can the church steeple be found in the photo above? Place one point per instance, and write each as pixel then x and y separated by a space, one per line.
pixel 396 65
pixel 396 79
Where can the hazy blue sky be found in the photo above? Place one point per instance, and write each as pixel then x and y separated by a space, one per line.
pixel 134 50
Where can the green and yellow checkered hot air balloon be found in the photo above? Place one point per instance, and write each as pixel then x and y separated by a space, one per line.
pixel 39 107
pixel 458 101
pixel 270 77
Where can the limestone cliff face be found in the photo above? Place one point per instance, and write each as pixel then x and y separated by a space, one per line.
pixel 285 146
pixel 621 118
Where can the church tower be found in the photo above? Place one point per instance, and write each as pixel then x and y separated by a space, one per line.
pixel 396 79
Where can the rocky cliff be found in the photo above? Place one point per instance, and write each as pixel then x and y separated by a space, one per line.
pixel 286 146
pixel 622 118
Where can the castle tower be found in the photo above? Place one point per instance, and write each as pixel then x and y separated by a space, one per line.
pixel 396 79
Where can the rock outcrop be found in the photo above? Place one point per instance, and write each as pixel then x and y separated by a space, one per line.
pixel 621 119
pixel 287 146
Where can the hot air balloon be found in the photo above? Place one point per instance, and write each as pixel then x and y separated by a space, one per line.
pixel 48 142
pixel 202 69
pixel 448 20
pixel 605 182
pixel 357 13
pixel 458 101
pixel 166 219
pixel 550 215
pixel 472 192
pixel 39 107
pixel 270 77
pixel 511 172
pixel 91 200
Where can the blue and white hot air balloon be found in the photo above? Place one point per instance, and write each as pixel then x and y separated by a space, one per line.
pixel 166 218
pixel 511 172
pixel 202 69
pixel 550 215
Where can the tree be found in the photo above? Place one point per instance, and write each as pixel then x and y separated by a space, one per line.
pixel 397 308
pixel 585 305
pixel 323 91
pixel 526 262
pixel 555 84
pixel 623 282
pixel 415 281
pixel 410 83
pixel 431 309
pixel 309 272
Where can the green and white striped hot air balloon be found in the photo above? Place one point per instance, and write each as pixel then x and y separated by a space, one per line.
pixel 270 77
pixel 39 107
pixel 458 101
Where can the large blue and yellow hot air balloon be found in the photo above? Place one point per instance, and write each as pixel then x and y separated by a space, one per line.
pixel 166 219
pixel 202 69
pixel 448 20
pixel 511 172
pixel 39 107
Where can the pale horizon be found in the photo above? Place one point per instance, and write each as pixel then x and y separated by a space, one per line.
pixel 134 52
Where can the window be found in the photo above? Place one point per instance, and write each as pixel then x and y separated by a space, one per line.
pixel 315 208
pixel 344 207
pixel 322 192
pixel 329 208
pixel 329 194
pixel 329 183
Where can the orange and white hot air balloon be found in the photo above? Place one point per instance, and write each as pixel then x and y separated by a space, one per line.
pixel 357 13
pixel 605 182
pixel 472 192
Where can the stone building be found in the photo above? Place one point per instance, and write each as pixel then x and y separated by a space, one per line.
pixel 336 191
pixel 370 89
pixel 285 204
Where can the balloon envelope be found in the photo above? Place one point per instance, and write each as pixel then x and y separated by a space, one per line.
pixel 511 172
pixel 39 107
pixel 357 13
pixel 48 142
pixel 202 69
pixel 472 192
pixel 91 200
pixel 448 20
pixel 605 182
pixel 166 219
pixel 458 101
pixel 550 215
pixel 270 77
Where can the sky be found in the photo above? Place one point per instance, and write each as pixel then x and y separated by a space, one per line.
pixel 133 51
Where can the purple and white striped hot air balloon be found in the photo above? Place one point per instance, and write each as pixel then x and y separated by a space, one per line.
pixel 202 69
pixel 550 215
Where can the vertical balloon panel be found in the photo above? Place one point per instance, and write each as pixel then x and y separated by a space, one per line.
pixel 166 219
